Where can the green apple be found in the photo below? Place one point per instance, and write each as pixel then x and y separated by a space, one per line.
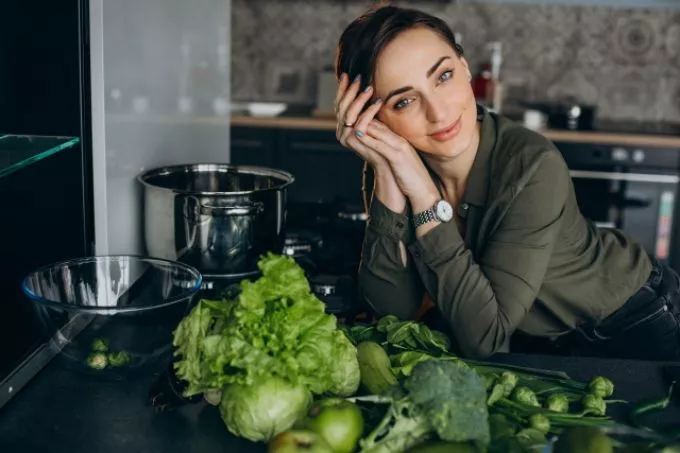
pixel 298 441
pixel 338 421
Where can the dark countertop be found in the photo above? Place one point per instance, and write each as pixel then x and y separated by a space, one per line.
pixel 60 411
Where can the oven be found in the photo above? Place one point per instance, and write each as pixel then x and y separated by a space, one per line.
pixel 632 189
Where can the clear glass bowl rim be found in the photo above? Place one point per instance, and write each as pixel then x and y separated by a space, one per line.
pixel 198 277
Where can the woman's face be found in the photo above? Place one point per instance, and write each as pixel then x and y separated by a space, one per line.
pixel 428 99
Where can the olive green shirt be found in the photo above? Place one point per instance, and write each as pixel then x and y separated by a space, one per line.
pixel 529 261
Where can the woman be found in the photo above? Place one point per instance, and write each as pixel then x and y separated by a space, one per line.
pixel 478 214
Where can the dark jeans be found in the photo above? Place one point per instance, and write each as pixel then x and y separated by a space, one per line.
pixel 646 327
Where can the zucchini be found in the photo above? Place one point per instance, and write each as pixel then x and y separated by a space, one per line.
pixel 375 368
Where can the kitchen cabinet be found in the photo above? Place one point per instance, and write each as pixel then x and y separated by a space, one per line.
pixel 253 146
pixel 324 170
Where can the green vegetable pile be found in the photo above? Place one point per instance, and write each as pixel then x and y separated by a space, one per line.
pixel 526 407
pixel 266 352
pixel 282 371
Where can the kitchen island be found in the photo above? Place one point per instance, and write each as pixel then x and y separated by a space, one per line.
pixel 61 411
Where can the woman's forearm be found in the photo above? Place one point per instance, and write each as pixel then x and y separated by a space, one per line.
pixel 387 190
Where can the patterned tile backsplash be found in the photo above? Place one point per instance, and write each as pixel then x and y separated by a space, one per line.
pixel 626 61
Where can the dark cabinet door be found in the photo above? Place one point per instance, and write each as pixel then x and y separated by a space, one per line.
pixel 324 170
pixel 253 146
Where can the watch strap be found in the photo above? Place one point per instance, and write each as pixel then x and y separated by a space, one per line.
pixel 424 217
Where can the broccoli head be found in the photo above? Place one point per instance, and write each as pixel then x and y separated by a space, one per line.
pixel 453 398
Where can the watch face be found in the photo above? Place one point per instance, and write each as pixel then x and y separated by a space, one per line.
pixel 444 211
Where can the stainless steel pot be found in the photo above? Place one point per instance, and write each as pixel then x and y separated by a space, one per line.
pixel 218 218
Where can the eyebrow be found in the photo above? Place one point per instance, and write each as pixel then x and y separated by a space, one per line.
pixel 407 88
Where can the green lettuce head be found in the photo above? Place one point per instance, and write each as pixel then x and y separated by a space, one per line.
pixel 264 409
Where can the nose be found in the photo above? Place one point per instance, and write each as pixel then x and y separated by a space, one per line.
pixel 435 110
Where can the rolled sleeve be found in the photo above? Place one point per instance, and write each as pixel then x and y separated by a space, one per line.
pixel 388 223
pixel 438 245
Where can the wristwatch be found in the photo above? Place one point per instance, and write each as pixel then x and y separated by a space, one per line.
pixel 442 211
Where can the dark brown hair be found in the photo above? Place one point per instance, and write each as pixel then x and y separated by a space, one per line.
pixel 364 39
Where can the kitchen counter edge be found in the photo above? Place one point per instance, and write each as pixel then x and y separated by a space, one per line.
pixel 320 123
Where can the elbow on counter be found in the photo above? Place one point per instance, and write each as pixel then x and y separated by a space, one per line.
pixel 482 348
pixel 384 297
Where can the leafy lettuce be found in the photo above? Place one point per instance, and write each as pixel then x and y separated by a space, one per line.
pixel 275 327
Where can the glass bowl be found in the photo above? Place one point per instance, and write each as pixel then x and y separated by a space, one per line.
pixel 112 315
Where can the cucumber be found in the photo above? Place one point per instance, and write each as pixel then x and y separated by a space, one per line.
pixel 584 440
pixel 375 368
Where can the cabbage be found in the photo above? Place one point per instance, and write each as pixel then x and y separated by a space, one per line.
pixel 264 408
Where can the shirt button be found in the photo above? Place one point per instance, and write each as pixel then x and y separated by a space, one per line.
pixel 465 206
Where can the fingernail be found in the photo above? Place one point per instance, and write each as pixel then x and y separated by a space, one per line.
pixel 357 78
pixel 368 88
pixel 375 101
pixel 358 133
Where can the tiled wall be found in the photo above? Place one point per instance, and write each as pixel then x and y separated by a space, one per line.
pixel 627 61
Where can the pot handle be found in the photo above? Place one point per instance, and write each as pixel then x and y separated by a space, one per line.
pixel 245 210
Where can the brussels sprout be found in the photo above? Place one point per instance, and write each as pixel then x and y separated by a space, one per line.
pixel 97 360
pixel 594 404
pixel 526 396
pixel 557 402
pixel 100 345
pixel 602 387
pixel 539 422
pixel 509 381
pixel 119 358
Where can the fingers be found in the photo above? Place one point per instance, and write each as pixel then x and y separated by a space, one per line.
pixel 373 145
pixel 382 133
pixel 368 115
pixel 364 150
pixel 347 98
pixel 355 108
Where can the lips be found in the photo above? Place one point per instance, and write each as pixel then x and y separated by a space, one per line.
pixel 448 132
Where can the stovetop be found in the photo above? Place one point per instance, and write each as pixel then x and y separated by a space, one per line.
pixel 325 239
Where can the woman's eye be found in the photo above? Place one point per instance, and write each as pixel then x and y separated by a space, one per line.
pixel 446 75
pixel 402 104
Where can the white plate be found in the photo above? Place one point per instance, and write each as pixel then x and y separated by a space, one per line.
pixel 266 108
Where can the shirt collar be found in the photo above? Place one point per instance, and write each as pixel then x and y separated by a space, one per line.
pixel 478 180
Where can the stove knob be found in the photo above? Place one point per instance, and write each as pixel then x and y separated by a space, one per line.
pixel 324 290
pixel 638 156
pixel 619 154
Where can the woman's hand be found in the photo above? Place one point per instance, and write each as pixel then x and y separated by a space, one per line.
pixel 409 171
pixel 349 106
